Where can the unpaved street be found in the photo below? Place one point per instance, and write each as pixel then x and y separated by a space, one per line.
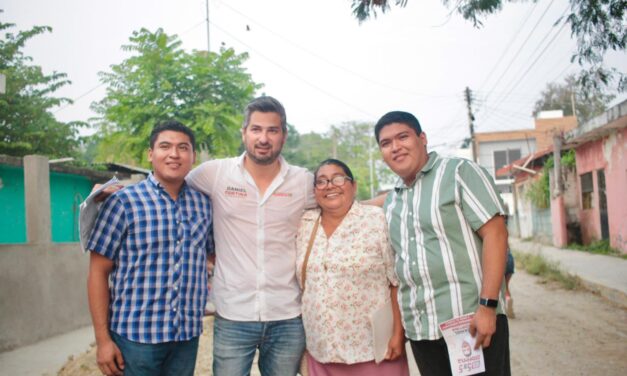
pixel 559 332
pixel 556 332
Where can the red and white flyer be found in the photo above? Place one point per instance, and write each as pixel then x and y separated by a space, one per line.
pixel 465 360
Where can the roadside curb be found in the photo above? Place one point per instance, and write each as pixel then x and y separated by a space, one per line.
pixel 604 275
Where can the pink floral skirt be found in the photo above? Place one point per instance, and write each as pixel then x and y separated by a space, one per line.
pixel 396 367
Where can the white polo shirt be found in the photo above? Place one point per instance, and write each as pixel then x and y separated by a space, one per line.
pixel 255 238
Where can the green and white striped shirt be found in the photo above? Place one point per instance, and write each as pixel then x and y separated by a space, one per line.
pixel 438 252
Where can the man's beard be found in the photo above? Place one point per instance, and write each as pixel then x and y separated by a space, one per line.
pixel 265 160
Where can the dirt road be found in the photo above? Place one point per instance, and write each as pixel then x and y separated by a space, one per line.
pixel 556 332
pixel 559 332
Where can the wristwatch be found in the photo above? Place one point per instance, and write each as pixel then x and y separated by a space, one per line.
pixel 491 303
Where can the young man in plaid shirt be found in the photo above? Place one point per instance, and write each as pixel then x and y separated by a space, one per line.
pixel 151 241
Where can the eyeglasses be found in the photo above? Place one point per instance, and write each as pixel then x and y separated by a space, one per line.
pixel 337 181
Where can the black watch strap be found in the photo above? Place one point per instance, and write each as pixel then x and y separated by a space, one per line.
pixel 489 302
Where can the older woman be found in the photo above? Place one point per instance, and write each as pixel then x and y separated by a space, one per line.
pixel 347 274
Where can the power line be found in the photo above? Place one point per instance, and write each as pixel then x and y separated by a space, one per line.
pixel 330 62
pixel 453 123
pixel 534 61
pixel 294 74
pixel 562 72
pixel 516 114
pixel 509 65
pixel 514 83
pixel 524 102
pixel 509 44
pixel 81 96
pixel 78 98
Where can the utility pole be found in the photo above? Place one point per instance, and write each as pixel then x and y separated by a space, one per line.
pixel 208 42
pixel 572 103
pixel 471 118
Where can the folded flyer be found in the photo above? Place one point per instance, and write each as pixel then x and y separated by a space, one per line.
pixel 465 360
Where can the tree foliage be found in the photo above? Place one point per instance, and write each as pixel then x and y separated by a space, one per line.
pixel 27 124
pixel 598 26
pixel 351 142
pixel 539 193
pixel 560 96
pixel 205 91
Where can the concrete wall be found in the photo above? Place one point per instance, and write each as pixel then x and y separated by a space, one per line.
pixel 67 191
pixel 42 284
pixel 542 225
pixel 13 218
pixel 524 209
pixel 43 292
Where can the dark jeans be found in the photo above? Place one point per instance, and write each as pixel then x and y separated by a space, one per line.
pixel 432 356
pixel 158 359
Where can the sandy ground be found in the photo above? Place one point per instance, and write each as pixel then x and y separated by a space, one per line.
pixel 559 332
pixel 556 332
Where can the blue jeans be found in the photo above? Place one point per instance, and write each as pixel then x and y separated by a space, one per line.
pixel 157 359
pixel 280 343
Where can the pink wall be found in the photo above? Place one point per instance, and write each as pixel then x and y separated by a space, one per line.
pixel 608 154
pixel 616 180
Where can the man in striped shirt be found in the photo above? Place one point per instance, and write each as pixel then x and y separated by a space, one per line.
pixel 447 229
pixel 151 240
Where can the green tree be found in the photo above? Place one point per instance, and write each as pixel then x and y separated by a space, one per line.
pixel 357 147
pixel 560 96
pixel 291 149
pixel 598 26
pixel 350 142
pixel 354 141
pixel 205 91
pixel 27 125
pixel 307 150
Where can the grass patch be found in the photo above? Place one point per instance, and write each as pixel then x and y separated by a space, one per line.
pixel 600 247
pixel 549 271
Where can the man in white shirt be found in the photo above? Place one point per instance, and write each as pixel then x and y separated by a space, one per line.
pixel 257 200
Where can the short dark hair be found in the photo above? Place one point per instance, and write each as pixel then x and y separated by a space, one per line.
pixel 335 162
pixel 397 117
pixel 265 104
pixel 171 125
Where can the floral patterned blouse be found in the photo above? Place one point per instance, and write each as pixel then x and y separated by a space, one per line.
pixel 348 277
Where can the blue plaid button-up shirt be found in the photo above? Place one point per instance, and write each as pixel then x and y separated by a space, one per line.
pixel 159 247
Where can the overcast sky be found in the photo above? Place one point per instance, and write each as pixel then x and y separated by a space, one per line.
pixel 321 63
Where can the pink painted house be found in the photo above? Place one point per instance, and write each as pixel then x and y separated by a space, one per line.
pixel 601 163
pixel 592 204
